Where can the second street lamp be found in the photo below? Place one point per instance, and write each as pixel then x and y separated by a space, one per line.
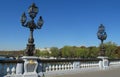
pixel 32 11
pixel 101 34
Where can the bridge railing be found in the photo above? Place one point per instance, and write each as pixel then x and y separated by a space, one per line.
pixel 47 66
pixel 8 66
pixel 114 62
pixel 67 64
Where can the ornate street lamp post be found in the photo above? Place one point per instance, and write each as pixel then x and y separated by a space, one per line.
pixel 101 34
pixel 32 11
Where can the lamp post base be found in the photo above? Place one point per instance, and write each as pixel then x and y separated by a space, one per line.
pixel 104 62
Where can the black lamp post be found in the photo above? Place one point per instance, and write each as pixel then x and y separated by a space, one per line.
pixel 32 11
pixel 101 34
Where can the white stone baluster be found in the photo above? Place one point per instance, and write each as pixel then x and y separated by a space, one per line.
pixel 49 68
pixel 56 67
pixel 84 65
pixel 65 66
pixel 53 67
pixel 13 70
pixel 69 66
pixel 62 66
pixel 81 65
pixel 19 68
pixel 8 70
pixel 94 64
pixel 91 64
pixel 59 66
pixel 88 64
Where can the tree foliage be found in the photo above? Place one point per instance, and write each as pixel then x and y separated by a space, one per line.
pixel 112 51
pixel 44 53
pixel 54 52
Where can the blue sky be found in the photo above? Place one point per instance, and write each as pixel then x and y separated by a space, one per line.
pixel 66 22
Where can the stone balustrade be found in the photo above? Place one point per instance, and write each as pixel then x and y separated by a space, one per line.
pixel 16 68
pixel 68 64
pixel 8 67
pixel 114 62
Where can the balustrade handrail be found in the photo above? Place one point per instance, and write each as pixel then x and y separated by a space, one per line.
pixel 56 60
pixel 68 60
pixel 12 61
pixel 113 59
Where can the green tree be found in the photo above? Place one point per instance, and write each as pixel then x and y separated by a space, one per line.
pixel 93 52
pixel 117 52
pixel 78 52
pixel 110 49
pixel 54 52
pixel 67 52
pixel 44 53
pixel 83 52
pixel 37 52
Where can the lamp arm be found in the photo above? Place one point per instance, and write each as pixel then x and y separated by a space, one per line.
pixel 38 27
pixel 24 25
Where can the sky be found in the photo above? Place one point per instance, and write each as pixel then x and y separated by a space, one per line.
pixel 66 22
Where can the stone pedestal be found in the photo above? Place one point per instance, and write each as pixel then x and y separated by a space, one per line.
pixel 30 66
pixel 104 62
